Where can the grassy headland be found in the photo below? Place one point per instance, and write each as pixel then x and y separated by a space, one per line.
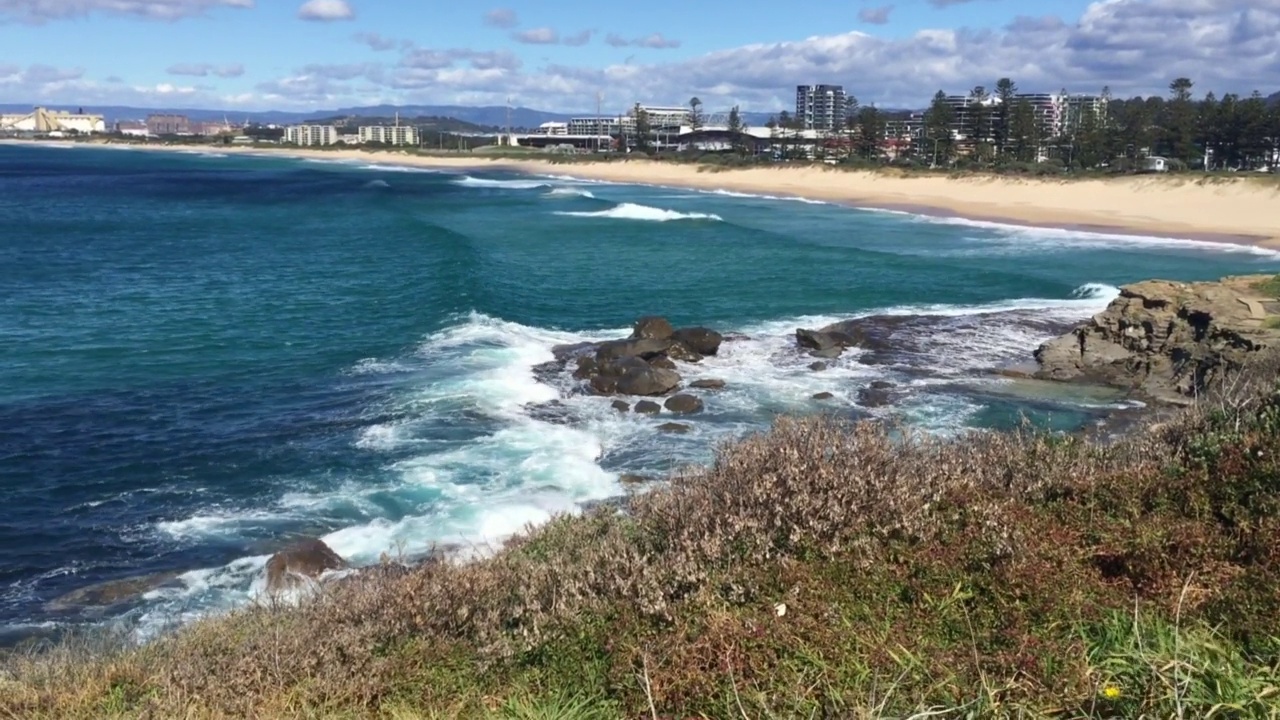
pixel 817 570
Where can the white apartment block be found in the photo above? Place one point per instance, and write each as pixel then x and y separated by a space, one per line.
pixel 311 135
pixel 821 107
pixel 389 134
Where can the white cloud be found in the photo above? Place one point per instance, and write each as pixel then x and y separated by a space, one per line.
pixel 537 36
pixel 654 41
pixel 206 69
pixel 375 41
pixel 875 15
pixel 501 18
pixel 326 10
pixel 37 11
pixel 579 38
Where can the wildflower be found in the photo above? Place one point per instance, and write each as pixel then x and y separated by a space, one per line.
pixel 1110 691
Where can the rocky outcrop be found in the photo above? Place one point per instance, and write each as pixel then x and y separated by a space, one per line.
pixel 701 340
pixel 708 384
pixel 1168 340
pixel 304 560
pixel 644 364
pixel 683 404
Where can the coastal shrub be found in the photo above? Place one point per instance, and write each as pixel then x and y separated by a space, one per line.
pixel 820 569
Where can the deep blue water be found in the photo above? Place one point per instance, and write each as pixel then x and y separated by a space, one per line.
pixel 201 356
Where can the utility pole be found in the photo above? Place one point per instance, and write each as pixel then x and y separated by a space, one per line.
pixel 508 138
pixel 599 128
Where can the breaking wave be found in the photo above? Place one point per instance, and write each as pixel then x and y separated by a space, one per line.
pixel 633 211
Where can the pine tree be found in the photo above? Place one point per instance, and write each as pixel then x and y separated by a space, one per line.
pixel 937 124
pixel 1180 131
pixel 695 114
pixel 1005 91
pixel 870 132
pixel 643 130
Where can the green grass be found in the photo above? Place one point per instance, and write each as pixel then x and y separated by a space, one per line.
pixel 1270 288
pixel 818 570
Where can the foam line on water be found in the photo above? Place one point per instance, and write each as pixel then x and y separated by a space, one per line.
pixel 475 182
pixel 634 211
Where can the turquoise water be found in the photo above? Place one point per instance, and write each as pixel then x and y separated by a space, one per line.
pixel 202 355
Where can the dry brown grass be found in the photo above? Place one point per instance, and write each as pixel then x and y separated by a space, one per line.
pixel 914 573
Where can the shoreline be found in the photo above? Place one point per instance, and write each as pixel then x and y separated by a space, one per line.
pixel 1233 211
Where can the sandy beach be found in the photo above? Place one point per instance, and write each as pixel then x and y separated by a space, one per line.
pixel 1239 209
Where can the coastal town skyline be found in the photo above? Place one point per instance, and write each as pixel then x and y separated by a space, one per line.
pixel 327 54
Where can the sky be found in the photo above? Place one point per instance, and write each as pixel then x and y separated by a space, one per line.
pixel 568 55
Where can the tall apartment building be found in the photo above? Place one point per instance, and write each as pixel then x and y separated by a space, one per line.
pixel 311 134
pixel 168 124
pixel 389 134
pixel 821 107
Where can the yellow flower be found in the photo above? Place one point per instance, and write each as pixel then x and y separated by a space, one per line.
pixel 1110 692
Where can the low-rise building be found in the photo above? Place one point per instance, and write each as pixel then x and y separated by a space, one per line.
pixel 311 135
pixel 389 134
pixel 132 128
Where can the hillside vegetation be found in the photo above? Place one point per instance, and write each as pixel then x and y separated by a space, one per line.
pixel 816 570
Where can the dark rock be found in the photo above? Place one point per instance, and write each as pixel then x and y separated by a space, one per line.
pixel 622 406
pixel 882 385
pixel 684 404
pixel 111 592
pixel 873 397
pixel 823 339
pixel 564 353
pixel 652 328
pixel 604 384
pixel 664 362
pixel 823 396
pixel 587 366
pixel 681 352
pixel 547 371
pixel 648 407
pixel 644 348
pixel 818 366
pixel 621 366
pixel 677 428
pixel 552 411
pixel 647 381
pixel 307 559
pixel 632 479
pixel 703 341
pixel 830 353
pixel 708 384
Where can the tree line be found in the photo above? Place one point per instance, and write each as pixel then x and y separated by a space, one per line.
pixel 997 127
pixel 1211 133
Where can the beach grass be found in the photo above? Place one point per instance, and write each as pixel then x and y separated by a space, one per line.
pixel 820 569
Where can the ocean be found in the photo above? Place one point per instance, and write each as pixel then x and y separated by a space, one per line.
pixel 204 356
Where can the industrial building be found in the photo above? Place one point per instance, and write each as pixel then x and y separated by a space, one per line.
pixel 821 107
pixel 168 124
pixel 311 135
pixel 53 122
pixel 388 134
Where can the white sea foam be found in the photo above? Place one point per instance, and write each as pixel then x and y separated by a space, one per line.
pixel 762 196
pixel 633 211
pixel 469 181
pixel 570 192
pixel 400 169
pixel 1023 238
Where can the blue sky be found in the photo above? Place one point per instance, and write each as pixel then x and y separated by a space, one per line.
pixel 291 54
